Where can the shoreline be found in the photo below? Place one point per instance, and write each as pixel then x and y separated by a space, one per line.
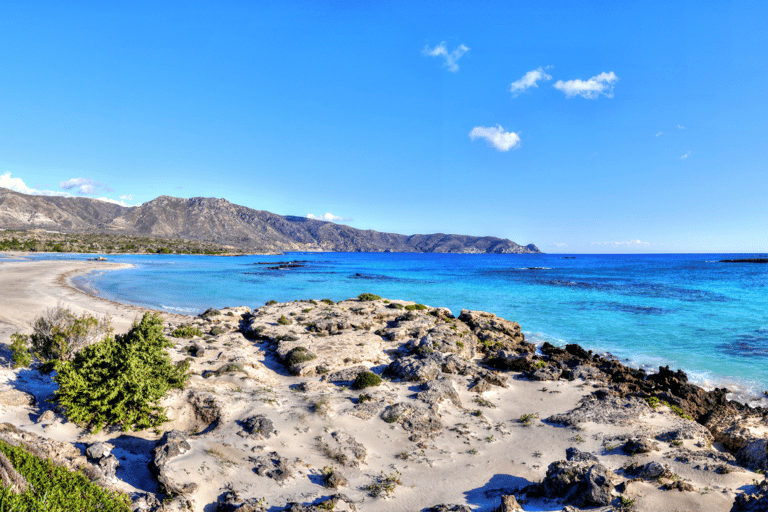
pixel 461 438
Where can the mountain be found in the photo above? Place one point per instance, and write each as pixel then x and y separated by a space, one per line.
pixel 219 221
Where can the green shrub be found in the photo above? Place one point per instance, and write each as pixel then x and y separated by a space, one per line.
pixel 365 380
pixel 270 302
pixel 328 301
pixel 210 312
pixel 59 334
pixel 216 330
pixel 415 307
pixel 186 331
pixel 395 305
pixel 367 297
pixel 653 401
pixel 298 355
pixel 283 320
pixel 22 357
pixel 54 488
pixel 121 380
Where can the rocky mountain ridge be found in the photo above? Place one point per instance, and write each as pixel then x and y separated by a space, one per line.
pixel 221 222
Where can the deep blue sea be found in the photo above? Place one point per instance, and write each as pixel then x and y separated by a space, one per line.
pixel 687 311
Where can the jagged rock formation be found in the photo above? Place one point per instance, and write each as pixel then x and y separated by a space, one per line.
pixel 221 222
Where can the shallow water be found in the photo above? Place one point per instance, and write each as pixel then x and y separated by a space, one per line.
pixel 688 311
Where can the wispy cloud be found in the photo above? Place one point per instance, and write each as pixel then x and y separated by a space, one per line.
pixel 631 243
pixel 590 89
pixel 85 186
pixel 686 155
pixel 496 137
pixel 528 80
pixel 127 197
pixel 113 201
pixel 451 58
pixel 659 134
pixel 680 127
pixel 560 244
pixel 18 185
pixel 329 217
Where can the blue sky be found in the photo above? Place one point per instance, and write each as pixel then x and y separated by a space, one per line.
pixel 577 126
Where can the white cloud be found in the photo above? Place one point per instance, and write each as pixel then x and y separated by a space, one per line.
pixel 113 201
pixel 451 58
pixel 635 243
pixel 497 137
pixel 18 185
pixel 560 244
pixel 680 127
pixel 590 89
pixel 84 186
pixel 529 80
pixel 658 134
pixel 686 155
pixel 329 217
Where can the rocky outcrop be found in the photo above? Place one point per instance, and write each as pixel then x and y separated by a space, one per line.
pixel 579 481
pixel 172 444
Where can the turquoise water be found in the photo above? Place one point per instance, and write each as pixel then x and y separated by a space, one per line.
pixel 688 311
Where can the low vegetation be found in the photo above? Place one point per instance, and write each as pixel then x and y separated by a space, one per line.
pixel 367 297
pixel 384 485
pixel 186 331
pixel 120 380
pixel 298 355
pixel 366 380
pixel 52 488
pixel 415 307
pixel 39 240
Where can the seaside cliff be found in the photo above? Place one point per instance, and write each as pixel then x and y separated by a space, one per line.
pixel 286 409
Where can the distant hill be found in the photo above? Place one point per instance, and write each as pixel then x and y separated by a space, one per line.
pixel 221 222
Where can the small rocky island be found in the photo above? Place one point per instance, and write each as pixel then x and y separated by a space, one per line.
pixel 376 404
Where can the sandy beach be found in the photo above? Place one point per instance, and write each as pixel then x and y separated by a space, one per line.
pixel 453 423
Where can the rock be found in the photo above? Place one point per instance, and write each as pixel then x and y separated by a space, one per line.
pixel 47 416
pixel 97 451
pixel 605 409
pixel 754 455
pixel 231 502
pixel 371 403
pixel 421 422
pixel 649 471
pixel 435 391
pixel 547 372
pixel 756 501
pixel 414 369
pixel 582 484
pixel 258 427
pixel 206 406
pixel 509 504
pixel 343 448
pixel 108 466
pixel 274 466
pixel 447 508
pixel 639 445
pixel 322 506
pixel 576 455
pixel 172 444
pixel 15 398
pixel 511 360
pixel 679 485
pixel 345 376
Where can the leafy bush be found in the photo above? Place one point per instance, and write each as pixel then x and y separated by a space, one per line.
pixel 283 320
pixel 367 297
pixel 365 380
pixel 298 355
pixel 59 334
pixel 121 380
pixel 270 302
pixel 54 488
pixel 186 331
pixel 395 305
pixel 20 348
pixel 328 301
pixel 210 312
pixel 415 307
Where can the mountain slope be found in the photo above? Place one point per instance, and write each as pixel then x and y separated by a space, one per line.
pixel 219 221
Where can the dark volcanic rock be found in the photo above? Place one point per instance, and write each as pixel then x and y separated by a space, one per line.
pixel 583 484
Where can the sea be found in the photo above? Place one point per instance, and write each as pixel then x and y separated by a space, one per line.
pixel 689 311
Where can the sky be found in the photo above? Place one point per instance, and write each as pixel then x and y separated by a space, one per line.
pixel 581 127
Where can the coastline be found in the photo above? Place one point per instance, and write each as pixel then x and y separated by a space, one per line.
pixel 471 459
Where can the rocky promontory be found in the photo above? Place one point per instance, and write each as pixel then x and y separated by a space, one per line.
pixel 376 404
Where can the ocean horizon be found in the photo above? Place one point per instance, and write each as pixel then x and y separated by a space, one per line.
pixel 688 311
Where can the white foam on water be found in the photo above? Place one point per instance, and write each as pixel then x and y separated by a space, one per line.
pixel 186 311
